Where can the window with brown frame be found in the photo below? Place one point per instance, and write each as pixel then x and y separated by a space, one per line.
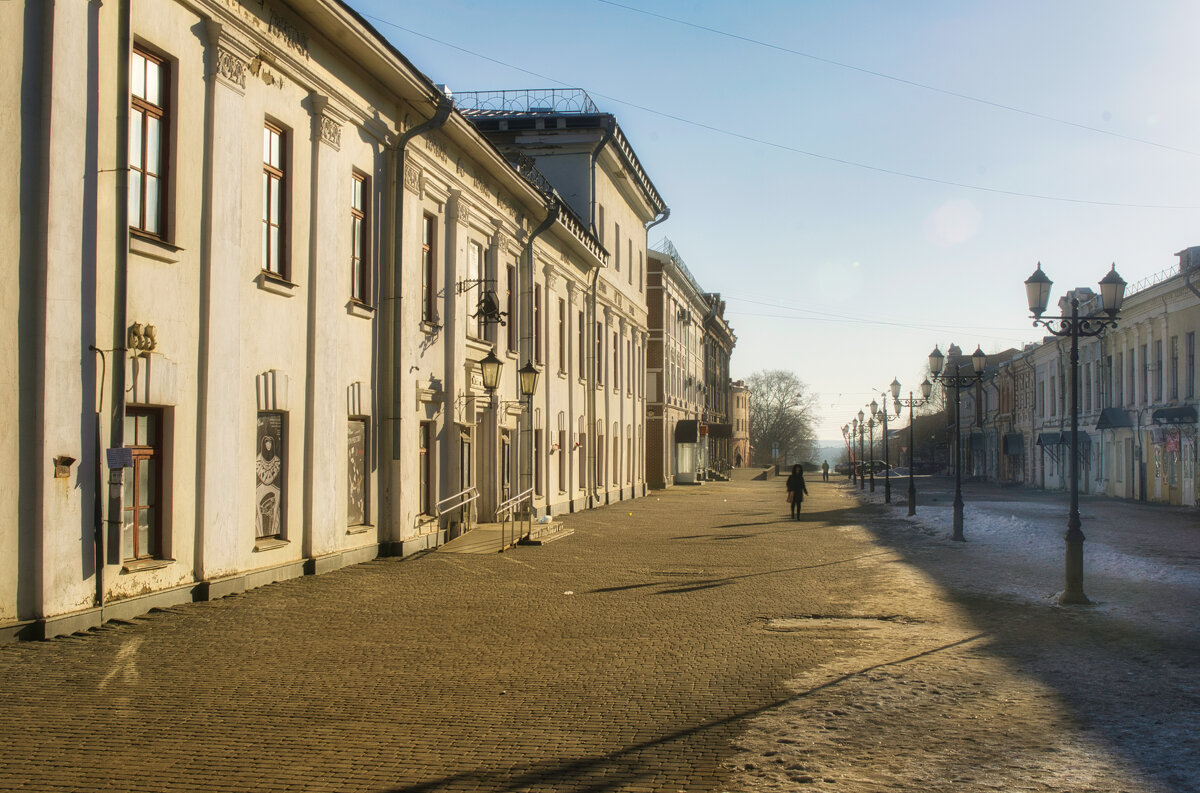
pixel 581 364
pixel 425 467
pixel 148 136
pixel 429 269
pixel 141 530
pixel 510 302
pixel 274 211
pixel 359 269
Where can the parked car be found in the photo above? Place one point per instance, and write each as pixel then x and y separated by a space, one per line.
pixel 842 468
pixel 867 466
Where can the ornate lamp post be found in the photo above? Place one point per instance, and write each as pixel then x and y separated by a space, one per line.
pixel 874 406
pixel 883 416
pixel 1073 326
pixel 958 382
pixel 849 451
pixel 910 403
pixel 862 480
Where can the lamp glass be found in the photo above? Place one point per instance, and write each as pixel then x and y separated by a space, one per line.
pixel 936 361
pixel 874 407
pixel 1037 291
pixel 895 388
pixel 978 360
pixel 529 377
pixel 1112 292
pixel 861 416
pixel 490 367
pixel 926 388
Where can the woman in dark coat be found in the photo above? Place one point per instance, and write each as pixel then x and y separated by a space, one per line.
pixel 796 489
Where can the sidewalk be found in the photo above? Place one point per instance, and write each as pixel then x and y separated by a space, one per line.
pixel 693 640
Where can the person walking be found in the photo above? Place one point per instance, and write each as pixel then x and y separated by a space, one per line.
pixel 825 471
pixel 796 490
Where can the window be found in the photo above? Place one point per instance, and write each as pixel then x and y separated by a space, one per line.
pixel 1145 373
pixel 359 289
pixel 582 332
pixel 1053 398
pixel 141 530
pixel 270 476
pixel 1158 370
pixel 562 336
pixel 537 462
pixel 429 270
pixel 1087 388
pixel 562 460
pixel 1190 365
pixel 147 142
pixel 616 455
pixel 582 458
pixel 617 246
pixel 425 467
pixel 356 472
pixel 1132 378
pixel 629 366
pixel 629 260
pixel 537 324
pixel 510 300
pixel 475 327
pixel 601 364
pixel 616 362
pixel 1119 374
pixel 1174 367
pixel 641 273
pixel 274 214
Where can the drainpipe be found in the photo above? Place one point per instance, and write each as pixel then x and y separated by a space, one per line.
pixel 439 118
pixel 662 216
pixel 552 210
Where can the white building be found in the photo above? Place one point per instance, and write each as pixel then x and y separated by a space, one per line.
pixel 251 242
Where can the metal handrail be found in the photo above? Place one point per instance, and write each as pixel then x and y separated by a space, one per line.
pixel 461 501
pixel 506 514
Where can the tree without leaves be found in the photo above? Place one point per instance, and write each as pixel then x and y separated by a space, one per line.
pixel 781 414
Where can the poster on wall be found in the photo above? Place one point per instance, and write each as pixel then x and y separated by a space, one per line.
pixel 268 473
pixel 356 467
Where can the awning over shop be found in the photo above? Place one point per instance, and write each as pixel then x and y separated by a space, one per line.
pixel 1112 418
pixel 1085 440
pixel 720 430
pixel 1047 439
pixel 1014 443
pixel 1180 415
pixel 687 431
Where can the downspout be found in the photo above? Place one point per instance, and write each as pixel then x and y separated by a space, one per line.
pixel 120 305
pixel 439 118
pixel 552 210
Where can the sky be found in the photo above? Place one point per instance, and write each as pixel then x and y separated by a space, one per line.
pixel 864 180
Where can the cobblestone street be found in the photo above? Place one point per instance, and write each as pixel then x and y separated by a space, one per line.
pixel 640 654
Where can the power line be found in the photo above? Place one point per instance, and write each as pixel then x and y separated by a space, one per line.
pixel 785 147
pixel 901 80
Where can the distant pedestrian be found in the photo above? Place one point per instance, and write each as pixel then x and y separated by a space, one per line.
pixel 796 491
pixel 825 471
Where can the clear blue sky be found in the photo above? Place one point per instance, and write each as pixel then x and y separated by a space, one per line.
pixel 848 275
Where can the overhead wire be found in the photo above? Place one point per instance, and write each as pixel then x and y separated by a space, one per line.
pixel 901 80
pixel 784 146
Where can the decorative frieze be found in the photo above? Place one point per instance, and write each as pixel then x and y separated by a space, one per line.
pixel 412 177
pixel 331 132
pixel 231 68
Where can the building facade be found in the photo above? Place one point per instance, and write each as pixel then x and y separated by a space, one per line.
pixel 739 406
pixel 676 449
pixel 251 342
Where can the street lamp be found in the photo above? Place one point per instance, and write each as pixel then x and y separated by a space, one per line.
pixel 862 480
pixel 849 451
pixel 528 375
pixel 1112 294
pixel 490 368
pixel 874 406
pixel 910 403
pixel 958 382
pixel 883 416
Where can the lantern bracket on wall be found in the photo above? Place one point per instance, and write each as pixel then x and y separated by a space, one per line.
pixel 487 308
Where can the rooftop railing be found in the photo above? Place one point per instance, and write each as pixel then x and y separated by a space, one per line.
pixel 551 101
